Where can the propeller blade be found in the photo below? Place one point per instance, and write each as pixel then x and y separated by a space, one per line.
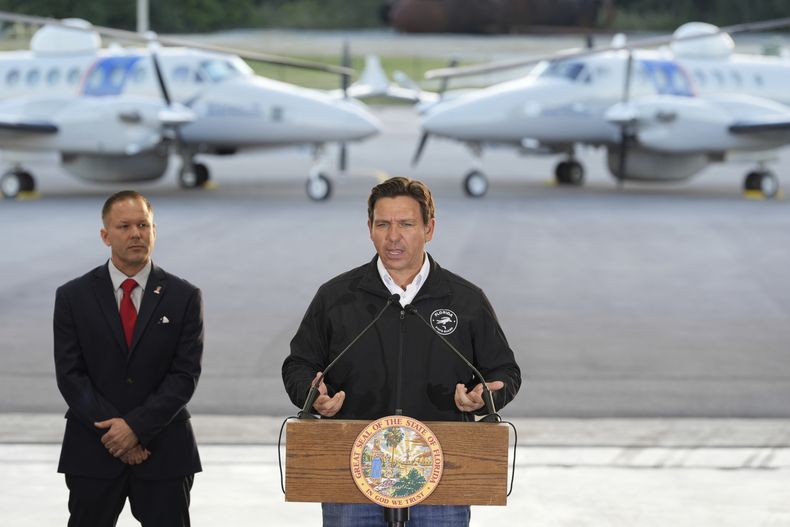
pixel 343 158
pixel 160 78
pixel 345 61
pixel 132 36
pixel 625 127
pixel 446 80
pixel 420 148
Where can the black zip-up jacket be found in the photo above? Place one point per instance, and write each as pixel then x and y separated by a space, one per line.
pixel 368 372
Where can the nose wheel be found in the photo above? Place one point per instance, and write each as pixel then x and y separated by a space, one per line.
pixel 319 188
pixel 763 181
pixel 16 181
pixel 569 172
pixel 194 175
pixel 475 184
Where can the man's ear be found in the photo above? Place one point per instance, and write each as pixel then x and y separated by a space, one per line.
pixel 104 236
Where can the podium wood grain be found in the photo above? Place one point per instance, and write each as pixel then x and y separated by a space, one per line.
pixel 318 459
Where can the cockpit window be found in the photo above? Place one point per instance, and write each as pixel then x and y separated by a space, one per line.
pixel 219 70
pixel 564 69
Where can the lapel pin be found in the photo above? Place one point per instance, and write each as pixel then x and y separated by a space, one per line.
pixel 164 320
pixel 158 290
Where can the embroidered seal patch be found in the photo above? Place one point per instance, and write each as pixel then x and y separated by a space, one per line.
pixel 444 321
pixel 396 461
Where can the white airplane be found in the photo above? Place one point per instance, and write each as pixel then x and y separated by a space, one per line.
pixel 663 115
pixel 114 113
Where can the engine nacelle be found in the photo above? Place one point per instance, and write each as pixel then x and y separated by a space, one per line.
pixel 647 165
pixel 145 166
pixel 690 125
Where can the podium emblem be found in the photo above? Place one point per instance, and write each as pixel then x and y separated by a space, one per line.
pixel 396 461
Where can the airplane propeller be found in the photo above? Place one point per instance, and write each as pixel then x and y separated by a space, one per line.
pixel 444 82
pixel 345 81
pixel 626 132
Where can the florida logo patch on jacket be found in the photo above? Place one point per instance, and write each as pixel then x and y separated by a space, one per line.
pixel 444 321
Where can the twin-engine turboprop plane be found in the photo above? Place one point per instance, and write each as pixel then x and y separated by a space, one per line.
pixel 115 114
pixel 663 115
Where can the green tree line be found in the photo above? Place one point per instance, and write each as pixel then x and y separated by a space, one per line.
pixel 195 16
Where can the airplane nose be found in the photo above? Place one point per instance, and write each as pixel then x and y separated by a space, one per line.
pixel 355 122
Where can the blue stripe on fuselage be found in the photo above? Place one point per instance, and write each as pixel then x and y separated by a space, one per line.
pixel 667 77
pixel 108 76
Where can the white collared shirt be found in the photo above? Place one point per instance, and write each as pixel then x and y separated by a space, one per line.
pixel 118 277
pixel 407 295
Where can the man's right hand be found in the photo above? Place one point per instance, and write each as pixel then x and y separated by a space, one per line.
pixel 135 455
pixel 325 405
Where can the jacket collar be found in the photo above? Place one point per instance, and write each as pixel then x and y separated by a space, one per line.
pixel 105 295
pixel 436 286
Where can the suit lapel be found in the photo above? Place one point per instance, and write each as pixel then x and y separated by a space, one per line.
pixel 105 296
pixel 154 291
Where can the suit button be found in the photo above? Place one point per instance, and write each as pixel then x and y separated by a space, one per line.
pixel 129 380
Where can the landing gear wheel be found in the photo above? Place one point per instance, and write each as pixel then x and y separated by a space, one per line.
pixel 319 188
pixel 15 182
pixel 569 173
pixel 764 182
pixel 475 184
pixel 752 181
pixel 197 177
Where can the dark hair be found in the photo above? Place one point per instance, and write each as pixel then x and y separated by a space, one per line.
pixel 121 196
pixel 403 186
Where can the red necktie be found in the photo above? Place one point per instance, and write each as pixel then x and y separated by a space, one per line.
pixel 128 312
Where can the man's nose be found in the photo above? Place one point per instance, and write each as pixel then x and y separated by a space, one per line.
pixel 393 233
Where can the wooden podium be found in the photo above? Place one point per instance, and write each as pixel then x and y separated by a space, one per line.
pixel 318 456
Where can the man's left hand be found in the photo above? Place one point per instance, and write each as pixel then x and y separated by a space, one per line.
pixel 472 400
pixel 119 438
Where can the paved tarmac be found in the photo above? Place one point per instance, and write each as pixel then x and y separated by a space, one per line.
pixel 648 301
pixel 575 473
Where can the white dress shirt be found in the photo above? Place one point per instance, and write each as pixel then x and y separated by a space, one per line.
pixel 408 294
pixel 118 277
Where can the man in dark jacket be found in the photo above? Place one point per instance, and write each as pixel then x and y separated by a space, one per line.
pixel 128 348
pixel 400 365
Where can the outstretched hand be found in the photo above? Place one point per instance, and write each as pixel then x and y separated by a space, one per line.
pixel 472 400
pixel 325 405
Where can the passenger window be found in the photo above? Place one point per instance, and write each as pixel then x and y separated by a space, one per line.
pixel 719 77
pixel 138 75
pixel 73 76
pixel 53 76
pixel 700 76
pixel 12 78
pixel 32 77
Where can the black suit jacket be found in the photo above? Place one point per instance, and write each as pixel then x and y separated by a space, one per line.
pixel 149 385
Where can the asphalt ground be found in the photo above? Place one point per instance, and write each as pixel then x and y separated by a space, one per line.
pixel 646 301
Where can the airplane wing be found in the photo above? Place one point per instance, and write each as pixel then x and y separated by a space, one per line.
pixel 767 124
pixel 29 126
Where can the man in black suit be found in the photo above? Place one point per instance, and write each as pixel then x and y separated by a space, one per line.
pixel 128 348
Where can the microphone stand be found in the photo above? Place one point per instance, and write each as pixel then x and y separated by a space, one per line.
pixel 396 517
pixel 312 395
pixel 488 399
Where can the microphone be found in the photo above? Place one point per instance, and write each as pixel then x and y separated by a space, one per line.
pixel 312 395
pixel 488 399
